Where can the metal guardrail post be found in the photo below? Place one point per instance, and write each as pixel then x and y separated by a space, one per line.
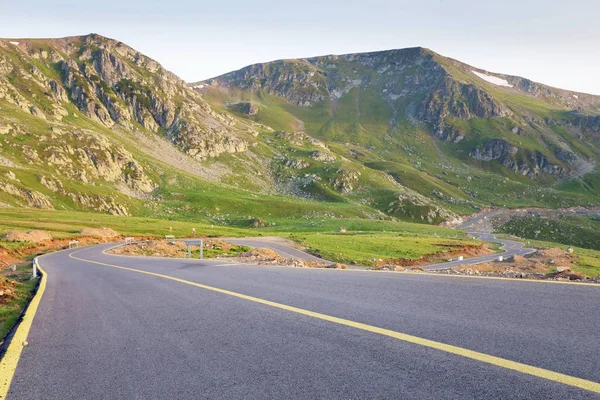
pixel 201 249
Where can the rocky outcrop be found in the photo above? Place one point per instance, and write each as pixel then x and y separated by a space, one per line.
pixel 245 108
pixel 301 139
pixel 99 203
pixel 296 163
pixel 346 181
pixel 203 143
pixel 323 156
pixel 590 123
pixel 96 158
pixel 464 101
pixel 31 198
pixel 530 164
pixel 118 87
pixel 298 82
pixel 493 150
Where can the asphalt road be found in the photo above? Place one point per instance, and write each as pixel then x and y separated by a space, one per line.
pixel 110 333
pixel 283 250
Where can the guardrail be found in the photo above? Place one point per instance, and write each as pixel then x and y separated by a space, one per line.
pixel 169 236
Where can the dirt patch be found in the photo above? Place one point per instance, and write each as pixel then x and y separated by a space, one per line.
pixel 34 236
pixel 213 248
pixel 7 290
pixel 266 256
pixel 157 248
pixel 99 232
pixel 262 254
pixel 552 264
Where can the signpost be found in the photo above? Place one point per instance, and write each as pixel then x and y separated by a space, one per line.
pixel 195 242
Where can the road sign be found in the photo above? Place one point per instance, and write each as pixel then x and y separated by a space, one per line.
pixel 195 242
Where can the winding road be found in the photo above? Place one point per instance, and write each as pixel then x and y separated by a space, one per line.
pixel 116 327
pixel 509 248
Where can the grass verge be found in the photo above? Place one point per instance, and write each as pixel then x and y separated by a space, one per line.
pixel 17 289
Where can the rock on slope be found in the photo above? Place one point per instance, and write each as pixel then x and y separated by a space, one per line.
pixel 60 99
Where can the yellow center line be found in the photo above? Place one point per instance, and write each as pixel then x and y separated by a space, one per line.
pixel 474 355
pixel 8 364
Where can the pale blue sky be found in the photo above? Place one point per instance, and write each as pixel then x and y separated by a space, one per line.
pixel 557 43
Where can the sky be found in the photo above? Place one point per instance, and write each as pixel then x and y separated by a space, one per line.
pixel 552 42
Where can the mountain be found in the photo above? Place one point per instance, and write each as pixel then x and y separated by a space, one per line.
pixel 89 123
pixel 373 97
pixel 413 111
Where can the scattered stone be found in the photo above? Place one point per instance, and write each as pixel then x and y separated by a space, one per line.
pixel 296 163
pixel 322 156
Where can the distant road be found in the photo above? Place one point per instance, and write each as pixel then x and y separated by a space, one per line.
pixel 282 249
pixel 114 327
pixel 510 248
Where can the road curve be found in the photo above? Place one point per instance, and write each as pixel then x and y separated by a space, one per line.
pixel 113 327
pixel 509 248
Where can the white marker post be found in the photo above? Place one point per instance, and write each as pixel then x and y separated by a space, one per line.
pixel 34 272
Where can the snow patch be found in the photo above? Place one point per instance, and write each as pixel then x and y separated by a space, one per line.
pixel 575 96
pixel 493 79
pixel 15 43
pixel 198 87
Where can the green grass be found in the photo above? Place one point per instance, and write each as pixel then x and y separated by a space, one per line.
pixel 67 224
pixel 578 231
pixel 361 248
pixel 217 251
pixel 23 290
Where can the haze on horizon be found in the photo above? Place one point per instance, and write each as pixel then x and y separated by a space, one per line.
pixel 555 44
